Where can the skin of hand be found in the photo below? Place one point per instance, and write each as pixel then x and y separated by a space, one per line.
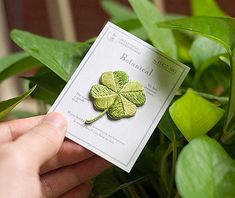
pixel 36 160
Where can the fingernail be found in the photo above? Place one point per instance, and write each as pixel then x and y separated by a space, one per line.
pixel 57 120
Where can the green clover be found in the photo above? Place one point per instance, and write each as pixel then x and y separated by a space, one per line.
pixel 116 96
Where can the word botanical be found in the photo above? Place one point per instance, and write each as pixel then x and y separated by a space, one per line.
pixel 130 61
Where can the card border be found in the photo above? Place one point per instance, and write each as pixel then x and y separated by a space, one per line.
pixel 136 39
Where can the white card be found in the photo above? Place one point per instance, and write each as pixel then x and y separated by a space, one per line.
pixel 119 141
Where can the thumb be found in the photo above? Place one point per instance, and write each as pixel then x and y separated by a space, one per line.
pixel 43 141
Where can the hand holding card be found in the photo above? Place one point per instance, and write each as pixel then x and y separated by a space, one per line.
pixel 129 81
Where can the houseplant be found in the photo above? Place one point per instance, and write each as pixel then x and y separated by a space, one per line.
pixel 191 153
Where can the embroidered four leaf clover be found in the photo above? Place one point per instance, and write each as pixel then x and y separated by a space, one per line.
pixel 116 96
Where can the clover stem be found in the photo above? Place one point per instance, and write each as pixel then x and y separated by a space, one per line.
pixel 89 121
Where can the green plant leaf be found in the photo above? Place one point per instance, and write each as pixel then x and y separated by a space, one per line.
pixel 149 15
pixel 213 78
pixel 206 8
pixel 220 99
pixel 60 56
pixel 49 85
pixel 205 170
pixel 183 42
pixel 117 11
pixel 219 29
pixel 106 182
pixel 204 52
pixel 7 105
pixel 134 27
pixel 18 114
pixel 194 115
pixel 130 24
pixel 148 160
pixel 225 59
pixel 124 17
pixel 124 185
pixel 16 63
pixel 116 96
pixel 168 128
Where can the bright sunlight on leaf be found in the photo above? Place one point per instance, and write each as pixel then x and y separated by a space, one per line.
pixel 194 115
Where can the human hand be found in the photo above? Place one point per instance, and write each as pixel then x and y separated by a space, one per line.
pixel 36 162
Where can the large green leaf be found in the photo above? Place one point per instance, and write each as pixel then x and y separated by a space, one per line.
pixel 124 17
pixel 203 51
pixel 149 15
pixel 7 105
pixel 16 63
pixel 205 170
pixel 134 27
pixel 194 115
pixel 219 29
pixel 130 24
pixel 60 56
pixel 117 11
pixel 206 8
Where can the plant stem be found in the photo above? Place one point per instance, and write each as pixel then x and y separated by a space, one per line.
pixel 89 121
pixel 161 138
pixel 227 136
pixel 196 79
pixel 163 172
pixel 231 103
pixel 174 158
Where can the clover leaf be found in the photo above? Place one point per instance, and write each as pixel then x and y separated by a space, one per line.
pixel 116 96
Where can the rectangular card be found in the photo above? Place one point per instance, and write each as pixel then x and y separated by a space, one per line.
pixel 119 141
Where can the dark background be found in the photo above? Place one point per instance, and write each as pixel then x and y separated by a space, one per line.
pixel 89 18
